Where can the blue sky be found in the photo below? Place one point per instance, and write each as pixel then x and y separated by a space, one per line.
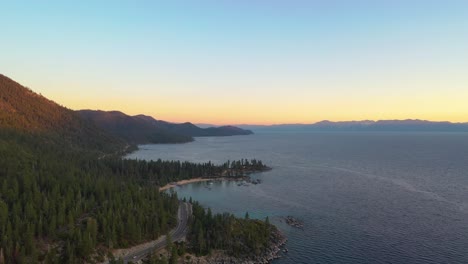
pixel 244 61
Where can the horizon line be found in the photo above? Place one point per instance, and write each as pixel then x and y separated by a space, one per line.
pixel 326 120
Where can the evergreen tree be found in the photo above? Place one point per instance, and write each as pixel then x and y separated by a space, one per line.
pixel 174 256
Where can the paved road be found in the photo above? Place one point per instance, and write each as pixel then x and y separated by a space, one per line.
pixel 177 234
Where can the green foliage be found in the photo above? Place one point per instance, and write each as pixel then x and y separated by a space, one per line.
pixel 174 256
pixel 238 237
pixel 163 172
pixel 64 193
pixel 25 111
pixel 169 242
pixel 73 202
pixel 53 198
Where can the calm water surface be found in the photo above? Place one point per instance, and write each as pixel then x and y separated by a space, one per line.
pixel 363 197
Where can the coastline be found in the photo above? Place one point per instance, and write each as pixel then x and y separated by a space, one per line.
pixel 194 180
pixel 274 251
pixel 244 177
pixel 277 239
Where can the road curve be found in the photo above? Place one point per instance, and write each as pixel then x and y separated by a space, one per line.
pixel 177 234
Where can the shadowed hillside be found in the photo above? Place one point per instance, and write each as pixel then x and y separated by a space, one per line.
pixel 141 129
pixel 135 129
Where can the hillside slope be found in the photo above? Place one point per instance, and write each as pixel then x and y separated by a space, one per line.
pixel 195 131
pixel 59 203
pixel 141 129
pixel 23 111
pixel 135 129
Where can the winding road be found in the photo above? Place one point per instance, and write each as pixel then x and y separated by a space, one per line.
pixel 177 234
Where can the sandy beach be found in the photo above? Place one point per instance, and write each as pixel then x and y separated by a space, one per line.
pixel 183 182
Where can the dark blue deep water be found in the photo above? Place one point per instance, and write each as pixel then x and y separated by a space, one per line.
pixel 363 197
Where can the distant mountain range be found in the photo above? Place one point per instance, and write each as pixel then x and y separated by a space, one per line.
pixel 141 129
pixel 24 111
pixel 408 125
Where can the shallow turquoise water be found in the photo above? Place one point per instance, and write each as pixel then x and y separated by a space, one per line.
pixel 363 197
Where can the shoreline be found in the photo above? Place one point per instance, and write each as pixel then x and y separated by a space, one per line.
pixel 244 177
pixel 195 180
pixel 273 252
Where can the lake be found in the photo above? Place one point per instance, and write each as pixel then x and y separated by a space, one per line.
pixel 363 197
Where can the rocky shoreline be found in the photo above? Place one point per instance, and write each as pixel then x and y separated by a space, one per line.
pixel 278 240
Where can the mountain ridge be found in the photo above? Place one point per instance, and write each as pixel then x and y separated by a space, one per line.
pixel 22 110
pixel 26 112
pixel 402 125
pixel 141 129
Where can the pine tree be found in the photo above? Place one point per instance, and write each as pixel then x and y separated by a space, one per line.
pixel 174 256
pixel 169 242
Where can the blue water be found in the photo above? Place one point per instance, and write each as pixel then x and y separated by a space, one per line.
pixel 363 197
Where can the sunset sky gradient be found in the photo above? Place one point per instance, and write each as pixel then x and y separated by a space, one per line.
pixel 244 61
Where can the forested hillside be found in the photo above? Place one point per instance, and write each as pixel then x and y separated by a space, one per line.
pixel 65 194
pixel 134 129
pixel 190 129
pixel 22 110
pixel 239 237
pixel 57 206
pixel 141 129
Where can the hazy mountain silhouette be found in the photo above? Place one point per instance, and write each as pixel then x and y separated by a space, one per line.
pixel 134 129
pixel 367 125
pixel 141 129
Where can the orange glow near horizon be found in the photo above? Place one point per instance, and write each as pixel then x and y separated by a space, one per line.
pixel 245 62
pixel 271 112
pixel 279 106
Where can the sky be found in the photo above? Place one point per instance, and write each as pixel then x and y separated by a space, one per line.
pixel 244 61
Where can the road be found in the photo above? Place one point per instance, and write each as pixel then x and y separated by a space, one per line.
pixel 177 234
